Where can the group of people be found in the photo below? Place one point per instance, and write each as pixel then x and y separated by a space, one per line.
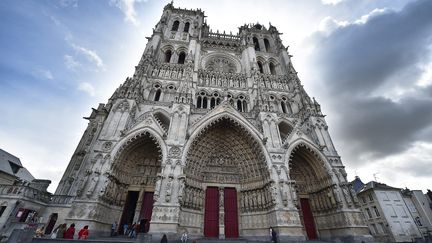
pixel 63 232
pixel 131 230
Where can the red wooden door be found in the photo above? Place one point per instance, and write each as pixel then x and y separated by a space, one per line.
pixel 211 215
pixel 231 217
pixel 308 219
pixel 146 210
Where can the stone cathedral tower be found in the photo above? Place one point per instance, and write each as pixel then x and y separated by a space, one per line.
pixel 213 134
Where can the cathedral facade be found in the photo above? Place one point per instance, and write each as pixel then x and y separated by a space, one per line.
pixel 213 135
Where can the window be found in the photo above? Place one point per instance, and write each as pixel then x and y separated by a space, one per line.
pixel 256 44
pixel 284 110
pixel 186 27
pixel 239 106
pixel 376 211
pixel 182 58
pixel 383 229
pixel 175 25
pixel 375 228
pixel 272 68
pixel 157 95
pixel 199 101
pixel 370 197
pixel 2 209
pixel 417 220
pixel 204 103
pixel 212 103
pixel 260 66
pixel 267 45
pixel 363 199
pixel 168 55
pixel 369 214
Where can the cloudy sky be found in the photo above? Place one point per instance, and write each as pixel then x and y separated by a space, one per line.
pixel 368 62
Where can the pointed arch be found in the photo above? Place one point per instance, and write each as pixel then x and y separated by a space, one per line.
pixel 285 129
pixel 163 118
pixel 235 117
pixel 132 136
pixel 314 156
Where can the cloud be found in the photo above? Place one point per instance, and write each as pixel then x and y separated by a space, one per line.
pixel 42 74
pixel 371 70
pixel 88 88
pixel 128 9
pixel 331 2
pixel 71 63
pixel 91 55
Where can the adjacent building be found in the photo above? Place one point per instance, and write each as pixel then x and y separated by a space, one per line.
pixel 420 210
pixel 23 199
pixel 387 213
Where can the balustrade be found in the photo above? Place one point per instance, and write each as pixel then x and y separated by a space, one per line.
pixel 24 191
pixel 168 70
pixel 219 79
pixel 268 81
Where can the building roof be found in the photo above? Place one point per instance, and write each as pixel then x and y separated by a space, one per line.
pixel 357 184
pixel 11 165
pixel 378 186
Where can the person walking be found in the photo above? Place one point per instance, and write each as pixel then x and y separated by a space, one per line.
pixel 60 231
pixel 69 234
pixel 273 235
pixel 164 239
pixel 40 232
pixel 83 233
pixel 113 229
pixel 184 237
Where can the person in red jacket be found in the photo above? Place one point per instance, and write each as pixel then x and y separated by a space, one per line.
pixel 83 233
pixel 69 234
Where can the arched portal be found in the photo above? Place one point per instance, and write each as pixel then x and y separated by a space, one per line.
pixel 133 177
pixel 227 163
pixel 314 188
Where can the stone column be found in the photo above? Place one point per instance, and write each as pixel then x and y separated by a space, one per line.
pixel 221 213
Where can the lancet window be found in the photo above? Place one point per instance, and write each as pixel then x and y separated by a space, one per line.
pixel 206 101
pixel 181 58
pixel 157 94
pixel 267 44
pixel 175 25
pixel 260 67
pixel 272 68
pixel 285 106
pixel 186 27
pixel 168 55
pixel 256 44
pixel 240 103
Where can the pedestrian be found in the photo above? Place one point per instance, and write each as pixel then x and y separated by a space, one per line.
pixel 273 235
pixel 83 233
pixel 184 237
pixel 113 229
pixel 40 232
pixel 125 229
pixel 69 234
pixel 164 239
pixel 60 231
pixel 131 232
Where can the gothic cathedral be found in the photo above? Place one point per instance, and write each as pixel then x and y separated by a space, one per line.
pixel 213 135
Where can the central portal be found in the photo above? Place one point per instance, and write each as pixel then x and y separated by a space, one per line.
pixel 225 205
pixel 227 182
